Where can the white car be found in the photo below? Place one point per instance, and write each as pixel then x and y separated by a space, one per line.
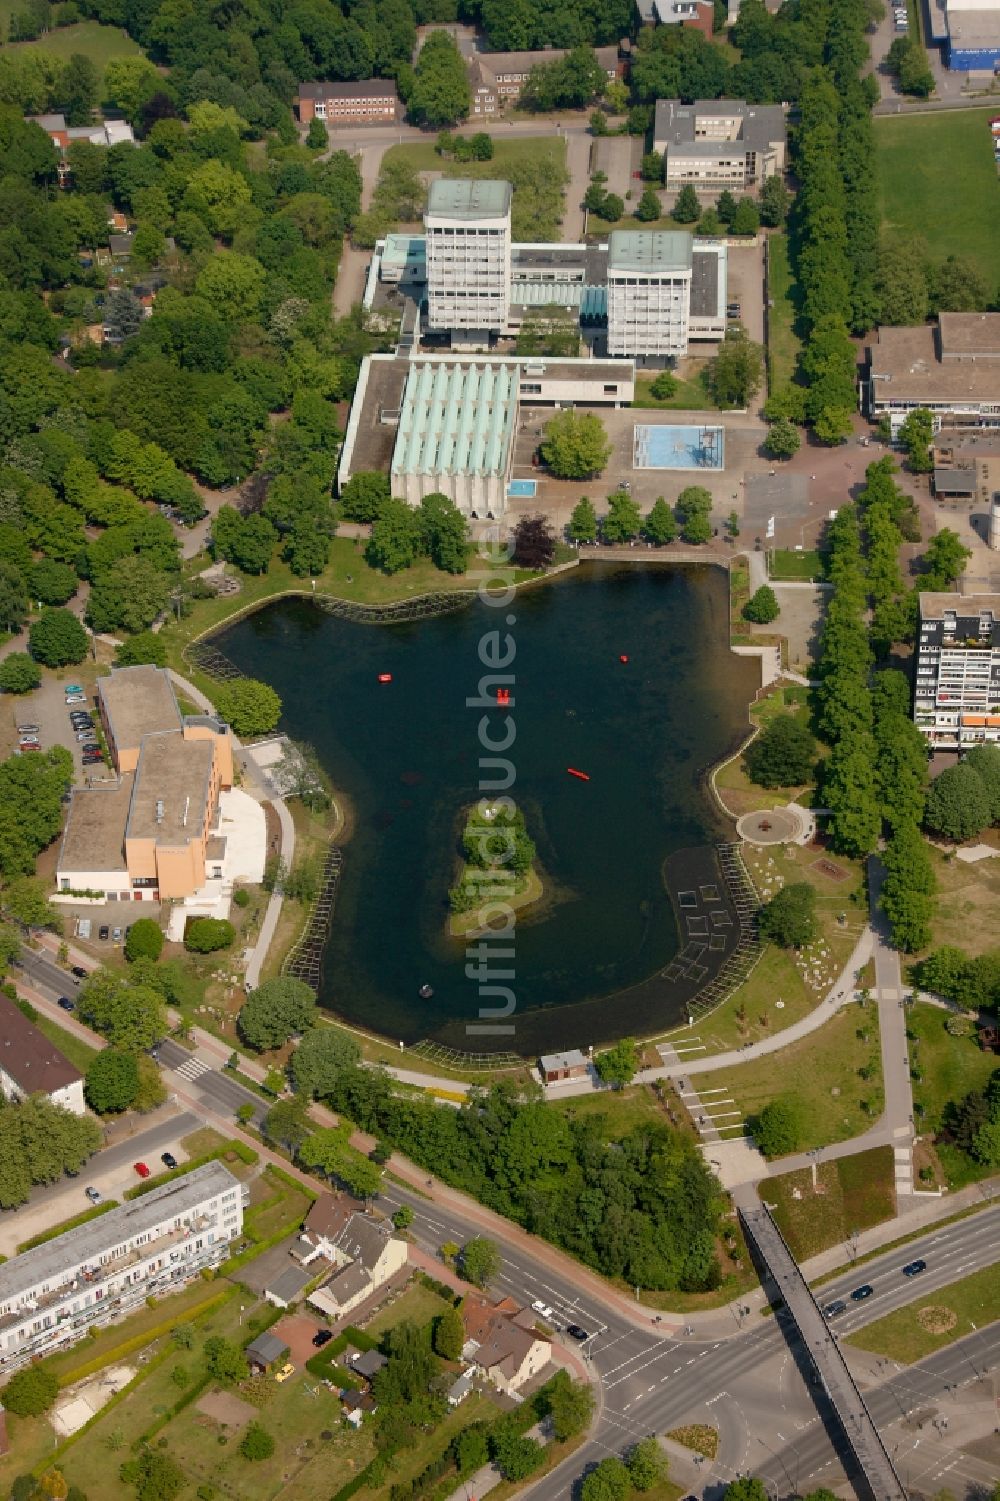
pixel 543 1309
pixel 75 698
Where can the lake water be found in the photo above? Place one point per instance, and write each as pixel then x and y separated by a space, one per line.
pixel 404 757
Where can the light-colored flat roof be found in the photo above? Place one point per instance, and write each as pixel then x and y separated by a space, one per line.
pixel 933 606
pixel 905 366
pixel 90 1241
pixel 94 836
pixel 138 701
pixel 173 772
pixel 469 198
pixel 650 250
pixel 965 335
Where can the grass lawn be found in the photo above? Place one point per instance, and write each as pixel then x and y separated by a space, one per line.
pixel 821 1070
pixel 775 977
pixel 511 158
pixel 785 565
pixel 79 1053
pixel 624 1109
pixel 945 1316
pixel 99 43
pixel 692 394
pixel 852 1193
pixel 783 344
pixel 966 906
pixel 418 1303
pixel 928 162
pixel 280 1206
pixel 950 1066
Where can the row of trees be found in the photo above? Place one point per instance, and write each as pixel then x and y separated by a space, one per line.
pixel 690 518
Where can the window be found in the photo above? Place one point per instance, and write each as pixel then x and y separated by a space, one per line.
pixel 611 390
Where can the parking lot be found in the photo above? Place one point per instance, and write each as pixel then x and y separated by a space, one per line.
pixel 47 708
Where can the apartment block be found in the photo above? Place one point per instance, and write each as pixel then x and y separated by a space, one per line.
pixel 468 258
pixel 719 143
pixel 649 292
pixel 957 692
pixel 105 1269
pixel 369 101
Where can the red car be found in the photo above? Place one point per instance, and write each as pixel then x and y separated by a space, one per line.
pixel 142 1169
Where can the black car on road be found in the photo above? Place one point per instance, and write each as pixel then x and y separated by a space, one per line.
pixel 861 1293
pixel 832 1309
pixel 576 1332
pixel 914 1268
pixel 168 1159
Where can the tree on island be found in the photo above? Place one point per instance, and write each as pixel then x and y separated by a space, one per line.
pixel 582 525
pixel 575 445
pixel 534 543
pixel 789 918
pixel 782 755
pixel 495 841
pixel 660 526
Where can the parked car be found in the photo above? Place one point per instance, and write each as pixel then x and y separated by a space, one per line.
pixel 141 1169
pixel 104 933
pixel 286 1370
pixel 81 719
pixel 832 1309
pixel 75 698
pixel 914 1268
pixel 29 740
pixel 543 1309
pixel 73 688
pixel 322 1337
pixel 66 1004
pixel 27 729
pixel 861 1293
pixel 576 1331
pixel 168 1159
pixel 94 1195
pixel 86 737
pixel 116 936
pixel 78 970
pixel 32 745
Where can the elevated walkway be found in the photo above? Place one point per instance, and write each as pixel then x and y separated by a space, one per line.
pixel 875 1468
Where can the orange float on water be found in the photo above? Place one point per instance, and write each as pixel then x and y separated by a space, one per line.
pixel 503 698
pixel 623 658
pixel 583 776
pixel 385 677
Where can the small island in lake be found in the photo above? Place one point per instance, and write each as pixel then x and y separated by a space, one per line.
pixel 498 866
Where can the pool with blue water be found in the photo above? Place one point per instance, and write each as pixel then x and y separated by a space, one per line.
pixel 678 446
pixel 520 488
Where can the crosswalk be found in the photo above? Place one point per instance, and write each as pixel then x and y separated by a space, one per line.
pixel 192 1068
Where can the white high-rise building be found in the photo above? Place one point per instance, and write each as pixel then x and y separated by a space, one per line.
pixel 956 701
pixel 649 292
pixel 468 258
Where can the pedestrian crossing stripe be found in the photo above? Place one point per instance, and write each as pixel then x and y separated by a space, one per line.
pixel 191 1068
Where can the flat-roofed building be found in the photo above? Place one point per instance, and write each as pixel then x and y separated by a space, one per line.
pixel 31 1064
pixel 967 465
pixel 456 432
pixel 105 1269
pixel 952 369
pixel 719 143
pixel 468 257
pixel 956 700
pixel 649 292
pixel 362 102
pixel 973 35
pixel 134 702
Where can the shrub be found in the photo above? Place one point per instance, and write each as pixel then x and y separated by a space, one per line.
pixel 241 897
pixel 30 1392
pixel 256 1443
pixel 762 607
pixel 145 940
pixel 205 935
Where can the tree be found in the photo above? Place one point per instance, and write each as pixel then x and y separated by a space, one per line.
pixel 112 1081
pixel 515 1456
pixel 441 94
pixel 277 1010
pixel 449 1334
pixel 287 1122
pixel 571 1406
pixel 395 537
pixel 480 1260
pixel 320 1058
pixel 686 209
pixel 155 1475
pixel 364 495
pixel 256 1442
pixel 985 761
pixel 534 543
pixel 57 639
pixel 130 595
pixel 30 1392
pixel 144 941
pixel 232 285
pixel 746 219
pixel 737 370
pixel 609 1480
pixel 582 525
pixel 746 1490
pixel 725 206
pixel 19 673
pixel 146 647
pixel 697 528
pixel 249 706
pixel 779 1128
pixel 782 755
pixel 944 560
pixel 617 1066
pixel 13 597
pixel 78 89
pixel 664 386
pixel 317 137
pixel 649 206
pixel 908 890
pixel 329 1151
pixel 660 526
pixel 916 435
pixel 575 445
pixel 773 202
pixel 782 440
pixel 624 519
pixel 651 167
pixel 403 1217
pixel 957 287
pixel 789 918
pixel 762 607
pixel 612 207
pixel 646 1464
pixel 130 1016
pixel 224 1360
pixel 206 935
pixel 444 533
pixel 958 804
pixel 52 583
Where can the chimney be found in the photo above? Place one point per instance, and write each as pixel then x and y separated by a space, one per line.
pixel 159 810
pixel 187 804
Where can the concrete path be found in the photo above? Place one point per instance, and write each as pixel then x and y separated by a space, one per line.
pixel 890 995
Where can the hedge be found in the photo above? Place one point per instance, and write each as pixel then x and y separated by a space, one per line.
pixel 93 1213
pixel 321 1364
pixel 136 1341
pixel 441 1288
pixel 239 1148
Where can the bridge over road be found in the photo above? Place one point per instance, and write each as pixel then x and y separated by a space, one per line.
pixel 776 1261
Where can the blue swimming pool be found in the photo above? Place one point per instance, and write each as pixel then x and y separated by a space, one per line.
pixel 680 446
pixel 522 487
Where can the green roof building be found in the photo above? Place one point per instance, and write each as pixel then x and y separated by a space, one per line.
pixel 456 435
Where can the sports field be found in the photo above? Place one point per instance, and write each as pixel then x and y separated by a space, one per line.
pixel 938 184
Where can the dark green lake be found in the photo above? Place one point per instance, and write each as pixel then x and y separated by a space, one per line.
pixel 404 758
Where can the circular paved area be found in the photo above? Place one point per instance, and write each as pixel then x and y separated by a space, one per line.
pixel 773 826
